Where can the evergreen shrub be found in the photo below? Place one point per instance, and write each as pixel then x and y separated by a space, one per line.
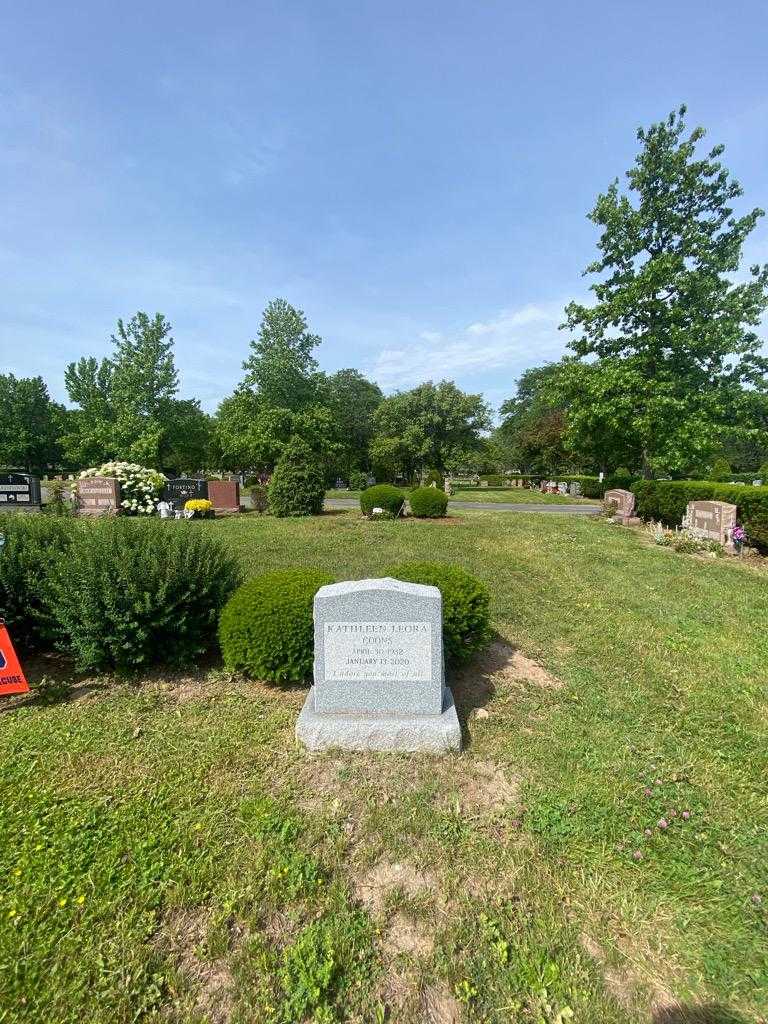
pixel 134 592
pixel 466 602
pixel 31 547
pixel 297 487
pixel 666 501
pixel 428 503
pixel 385 496
pixel 266 629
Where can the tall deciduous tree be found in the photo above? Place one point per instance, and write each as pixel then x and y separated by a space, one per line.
pixel 127 403
pixel 428 427
pixel 673 334
pixel 29 424
pixel 281 368
pixel 352 400
pixel 532 429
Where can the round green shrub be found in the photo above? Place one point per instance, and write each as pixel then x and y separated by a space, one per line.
pixel 32 546
pixel 133 592
pixel 428 502
pixel 266 629
pixel 466 616
pixel 297 487
pixel 385 496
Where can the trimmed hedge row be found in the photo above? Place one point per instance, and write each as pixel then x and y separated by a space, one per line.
pixel 666 501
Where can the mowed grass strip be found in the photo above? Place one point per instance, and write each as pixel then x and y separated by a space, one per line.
pixel 168 853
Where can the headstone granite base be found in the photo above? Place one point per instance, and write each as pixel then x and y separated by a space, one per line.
pixel 436 734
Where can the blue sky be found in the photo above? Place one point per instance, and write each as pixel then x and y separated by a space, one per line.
pixel 414 175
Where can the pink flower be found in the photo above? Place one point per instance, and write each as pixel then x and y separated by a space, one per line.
pixel 637 855
pixel 647 791
pixel 657 782
pixel 686 815
pixel 756 898
pixel 673 813
pixel 662 823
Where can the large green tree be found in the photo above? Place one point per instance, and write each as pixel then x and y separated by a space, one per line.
pixel 433 425
pixel 30 424
pixel 352 400
pixel 281 369
pixel 127 406
pixel 672 331
pixel 533 424
pixel 283 396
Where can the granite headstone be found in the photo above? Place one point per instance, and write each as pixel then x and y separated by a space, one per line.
pixel 625 504
pixel 19 491
pixel 184 488
pixel 98 496
pixel 711 520
pixel 224 495
pixel 379 678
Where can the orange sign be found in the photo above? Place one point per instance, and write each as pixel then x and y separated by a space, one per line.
pixel 11 677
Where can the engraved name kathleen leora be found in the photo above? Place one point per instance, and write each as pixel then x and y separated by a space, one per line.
pixel 378 650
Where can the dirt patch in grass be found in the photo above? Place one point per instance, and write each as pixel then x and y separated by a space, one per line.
pixel 377 885
pixel 628 985
pixel 486 788
pixel 501 667
pixel 439 1006
pixel 182 938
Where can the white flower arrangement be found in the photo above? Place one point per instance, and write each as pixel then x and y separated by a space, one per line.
pixel 140 487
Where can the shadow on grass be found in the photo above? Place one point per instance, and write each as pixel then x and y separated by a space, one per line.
pixel 706 1013
pixel 473 684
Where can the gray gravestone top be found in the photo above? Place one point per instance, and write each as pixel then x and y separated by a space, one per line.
pixel 379 649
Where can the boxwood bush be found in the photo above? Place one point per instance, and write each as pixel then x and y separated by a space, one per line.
pixel 428 502
pixel 266 629
pixel 297 487
pixel 133 592
pixel 466 616
pixel 385 496
pixel 31 547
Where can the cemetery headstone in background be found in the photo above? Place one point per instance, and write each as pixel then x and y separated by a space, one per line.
pixel 625 505
pixel 574 489
pixel 19 491
pixel 98 496
pixel 711 520
pixel 379 676
pixel 225 495
pixel 184 488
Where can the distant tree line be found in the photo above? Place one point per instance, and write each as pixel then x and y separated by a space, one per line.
pixel 665 373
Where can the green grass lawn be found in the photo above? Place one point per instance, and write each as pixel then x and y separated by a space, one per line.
pixel 515 495
pixel 169 853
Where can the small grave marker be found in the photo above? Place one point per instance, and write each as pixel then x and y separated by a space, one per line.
pixel 625 505
pixel 98 496
pixel 711 520
pixel 225 495
pixel 379 679
pixel 184 488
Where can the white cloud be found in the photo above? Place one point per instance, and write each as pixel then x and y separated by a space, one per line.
pixel 510 342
